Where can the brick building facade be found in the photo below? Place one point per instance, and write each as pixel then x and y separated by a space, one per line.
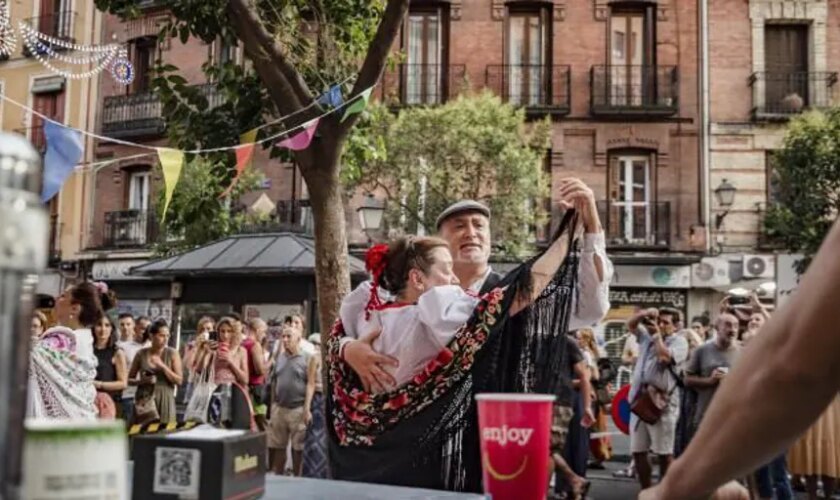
pixel 770 60
pixel 619 80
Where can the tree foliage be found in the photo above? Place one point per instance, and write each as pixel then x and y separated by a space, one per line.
pixel 475 147
pixel 197 215
pixel 295 49
pixel 807 171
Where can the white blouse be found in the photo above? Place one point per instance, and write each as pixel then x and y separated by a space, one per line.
pixel 414 334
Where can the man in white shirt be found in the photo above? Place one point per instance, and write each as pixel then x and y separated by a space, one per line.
pixel 131 344
pixel 465 225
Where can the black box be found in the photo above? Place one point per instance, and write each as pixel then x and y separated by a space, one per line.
pixel 166 466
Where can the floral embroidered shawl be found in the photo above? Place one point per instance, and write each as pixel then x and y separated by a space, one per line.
pixel 425 433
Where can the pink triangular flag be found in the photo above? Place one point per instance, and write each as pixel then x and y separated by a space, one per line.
pixel 243 157
pixel 302 139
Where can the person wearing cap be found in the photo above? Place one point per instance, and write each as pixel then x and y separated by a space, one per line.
pixel 465 225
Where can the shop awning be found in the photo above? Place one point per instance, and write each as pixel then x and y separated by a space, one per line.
pixel 277 254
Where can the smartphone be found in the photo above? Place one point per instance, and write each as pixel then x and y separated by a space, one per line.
pixel 213 336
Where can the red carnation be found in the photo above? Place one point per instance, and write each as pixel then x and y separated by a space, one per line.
pixel 375 259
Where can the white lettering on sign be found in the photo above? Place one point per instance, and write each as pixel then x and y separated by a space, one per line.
pixel 504 435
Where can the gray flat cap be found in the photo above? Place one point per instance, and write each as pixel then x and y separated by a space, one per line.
pixel 461 207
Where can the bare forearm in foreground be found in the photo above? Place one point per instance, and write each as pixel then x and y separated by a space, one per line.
pixel 783 382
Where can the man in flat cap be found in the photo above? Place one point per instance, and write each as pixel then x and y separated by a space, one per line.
pixel 465 225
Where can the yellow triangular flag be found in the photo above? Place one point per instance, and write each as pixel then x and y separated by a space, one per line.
pixel 171 162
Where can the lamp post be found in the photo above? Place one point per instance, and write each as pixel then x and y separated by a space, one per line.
pixel 725 194
pixel 371 212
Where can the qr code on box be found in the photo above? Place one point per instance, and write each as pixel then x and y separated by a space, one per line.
pixel 177 471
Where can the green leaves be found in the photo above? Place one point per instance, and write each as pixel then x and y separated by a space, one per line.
pixel 808 179
pixel 475 147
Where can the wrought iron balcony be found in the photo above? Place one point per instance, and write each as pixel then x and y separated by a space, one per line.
pixel 634 90
pixel 636 225
pixel 540 88
pixel 422 84
pixel 779 94
pixel 141 114
pixel 35 135
pixel 129 229
pixel 133 115
pixel 58 25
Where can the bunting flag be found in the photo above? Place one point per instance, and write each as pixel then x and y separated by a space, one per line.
pixel 359 104
pixel 171 162
pixel 64 150
pixel 244 153
pixel 332 97
pixel 302 139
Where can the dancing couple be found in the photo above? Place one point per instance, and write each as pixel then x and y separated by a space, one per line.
pixel 436 325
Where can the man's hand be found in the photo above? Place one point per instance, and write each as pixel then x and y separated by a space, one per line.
pixel 307 417
pixel 729 491
pixel 588 419
pixel 368 364
pixel 574 193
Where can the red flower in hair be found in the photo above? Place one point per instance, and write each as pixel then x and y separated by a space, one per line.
pixel 375 260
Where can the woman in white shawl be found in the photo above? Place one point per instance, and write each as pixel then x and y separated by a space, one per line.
pixel 62 365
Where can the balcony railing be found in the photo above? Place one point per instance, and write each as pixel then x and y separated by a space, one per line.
pixel 129 229
pixel 141 114
pixel 779 94
pixel 422 84
pixel 634 90
pixel 636 225
pixel 134 115
pixel 57 25
pixel 35 135
pixel 540 88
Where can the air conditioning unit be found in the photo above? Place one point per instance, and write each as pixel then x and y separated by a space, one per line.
pixel 710 272
pixel 759 266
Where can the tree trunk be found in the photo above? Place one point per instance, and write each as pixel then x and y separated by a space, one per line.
pixel 332 275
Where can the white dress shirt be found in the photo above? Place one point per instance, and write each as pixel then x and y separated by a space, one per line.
pixel 593 293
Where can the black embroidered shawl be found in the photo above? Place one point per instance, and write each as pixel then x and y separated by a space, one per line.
pixel 425 433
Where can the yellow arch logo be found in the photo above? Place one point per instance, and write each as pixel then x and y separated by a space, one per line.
pixel 504 477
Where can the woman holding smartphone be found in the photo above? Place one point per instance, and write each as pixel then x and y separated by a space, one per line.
pixel 229 361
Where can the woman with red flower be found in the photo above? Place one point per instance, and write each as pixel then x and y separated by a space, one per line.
pixel 448 345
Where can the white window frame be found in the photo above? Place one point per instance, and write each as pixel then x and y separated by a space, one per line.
pixel 625 166
pixel 132 190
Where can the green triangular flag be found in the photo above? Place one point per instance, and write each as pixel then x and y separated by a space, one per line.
pixel 358 105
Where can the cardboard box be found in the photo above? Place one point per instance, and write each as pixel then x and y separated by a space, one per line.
pixel 206 464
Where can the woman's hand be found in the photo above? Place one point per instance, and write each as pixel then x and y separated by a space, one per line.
pixel 148 379
pixel 156 361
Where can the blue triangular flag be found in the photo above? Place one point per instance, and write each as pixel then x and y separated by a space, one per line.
pixel 332 97
pixel 64 150
pixel 336 100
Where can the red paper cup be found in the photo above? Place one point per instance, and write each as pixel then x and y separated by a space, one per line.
pixel 515 432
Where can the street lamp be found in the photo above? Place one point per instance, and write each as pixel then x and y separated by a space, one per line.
pixel 725 194
pixel 370 214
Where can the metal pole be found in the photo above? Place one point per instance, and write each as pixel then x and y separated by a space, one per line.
pixel 705 123
pixel 24 229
